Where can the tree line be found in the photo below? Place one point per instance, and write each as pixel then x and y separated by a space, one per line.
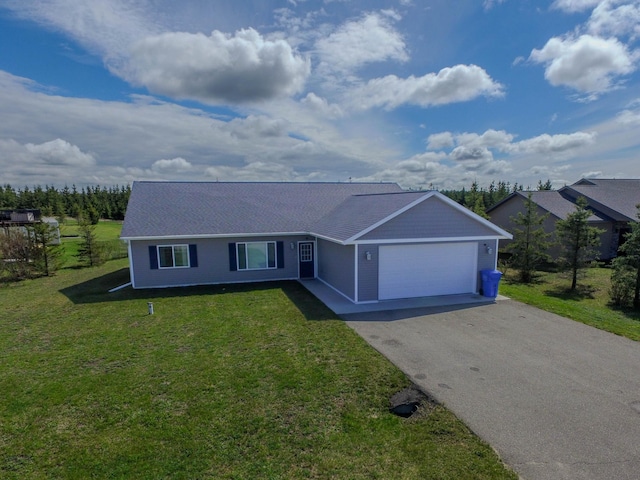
pixel 92 202
pixel 478 199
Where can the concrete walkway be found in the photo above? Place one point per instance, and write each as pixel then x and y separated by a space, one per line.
pixel 342 306
pixel 557 399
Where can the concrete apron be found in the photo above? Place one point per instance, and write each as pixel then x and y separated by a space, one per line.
pixel 342 306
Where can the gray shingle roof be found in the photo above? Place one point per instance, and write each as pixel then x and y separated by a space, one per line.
pixel 559 206
pixel 619 195
pixel 165 209
pixel 359 212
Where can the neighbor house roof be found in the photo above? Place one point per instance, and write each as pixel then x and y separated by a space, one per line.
pixel 618 196
pixel 557 204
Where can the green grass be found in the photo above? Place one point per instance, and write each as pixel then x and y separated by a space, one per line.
pixel 589 304
pixel 107 232
pixel 235 382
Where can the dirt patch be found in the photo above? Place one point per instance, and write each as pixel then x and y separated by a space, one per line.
pixel 411 402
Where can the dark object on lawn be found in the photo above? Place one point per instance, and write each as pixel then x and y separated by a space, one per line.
pixel 407 402
pixel 405 410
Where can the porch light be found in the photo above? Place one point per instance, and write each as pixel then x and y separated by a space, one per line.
pixel 292 246
pixel 488 249
pixel 367 255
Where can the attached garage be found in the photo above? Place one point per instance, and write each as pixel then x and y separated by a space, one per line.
pixel 428 269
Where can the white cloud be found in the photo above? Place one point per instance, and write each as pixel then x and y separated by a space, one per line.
pixel 322 106
pixel 473 158
pixel 498 139
pixel 609 18
pixel 263 171
pixel 573 6
pixel 170 166
pixel 629 117
pixel 59 152
pixel 554 144
pixel 473 145
pixel 438 141
pixel 240 68
pixel 357 43
pixel 104 27
pixel 452 84
pixel 255 126
pixel 489 4
pixel 588 64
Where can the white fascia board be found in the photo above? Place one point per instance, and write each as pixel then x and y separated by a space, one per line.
pixel 426 240
pixel 329 239
pixel 224 235
pixel 390 217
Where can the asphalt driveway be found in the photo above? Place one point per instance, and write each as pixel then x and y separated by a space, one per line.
pixel 557 399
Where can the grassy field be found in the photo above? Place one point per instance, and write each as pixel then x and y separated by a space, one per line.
pixel 588 304
pixel 245 382
pixel 107 232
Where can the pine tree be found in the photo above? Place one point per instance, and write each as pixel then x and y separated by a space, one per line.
pixel 629 261
pixel 530 241
pixel 577 239
pixel 47 247
pixel 90 252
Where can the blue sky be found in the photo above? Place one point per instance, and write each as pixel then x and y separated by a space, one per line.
pixel 429 94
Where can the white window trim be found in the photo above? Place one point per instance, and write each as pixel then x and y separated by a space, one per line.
pixel 246 250
pixel 173 255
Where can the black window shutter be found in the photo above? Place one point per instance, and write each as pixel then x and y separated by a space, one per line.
pixel 193 255
pixel 280 254
pixel 233 261
pixel 153 257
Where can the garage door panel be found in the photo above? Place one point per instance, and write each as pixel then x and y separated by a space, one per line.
pixel 407 271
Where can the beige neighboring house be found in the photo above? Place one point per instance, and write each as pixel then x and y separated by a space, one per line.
pixel 611 201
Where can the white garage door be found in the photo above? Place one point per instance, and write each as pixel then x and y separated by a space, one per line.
pixel 425 270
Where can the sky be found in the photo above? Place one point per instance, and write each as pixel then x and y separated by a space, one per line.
pixel 425 93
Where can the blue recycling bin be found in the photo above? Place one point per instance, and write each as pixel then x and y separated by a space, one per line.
pixel 490 282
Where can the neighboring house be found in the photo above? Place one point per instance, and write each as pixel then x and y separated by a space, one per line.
pixel 367 241
pixel 23 218
pixel 611 201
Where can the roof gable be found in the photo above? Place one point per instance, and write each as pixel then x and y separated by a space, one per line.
pixel 434 216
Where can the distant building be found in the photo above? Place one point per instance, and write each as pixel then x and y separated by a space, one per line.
pixel 612 203
pixel 24 217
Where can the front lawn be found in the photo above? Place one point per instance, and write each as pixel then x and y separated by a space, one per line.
pixel 589 304
pixel 242 382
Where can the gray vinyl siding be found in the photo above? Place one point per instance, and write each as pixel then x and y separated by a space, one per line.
pixel 431 218
pixel 213 263
pixel 367 273
pixel 336 266
pixel 486 261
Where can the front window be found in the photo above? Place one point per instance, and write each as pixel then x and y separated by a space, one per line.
pixel 173 256
pixel 256 255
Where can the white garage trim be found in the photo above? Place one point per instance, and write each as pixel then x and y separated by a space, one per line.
pixel 424 270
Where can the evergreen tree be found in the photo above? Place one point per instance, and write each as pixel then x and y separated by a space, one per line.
pixel 545 186
pixel 530 241
pixel 577 239
pixel 47 248
pixel 90 252
pixel 629 262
